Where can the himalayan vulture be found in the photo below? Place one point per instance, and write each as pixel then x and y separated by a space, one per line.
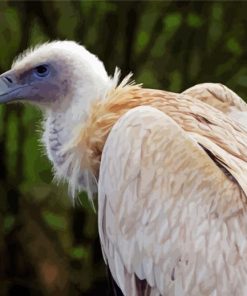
pixel 170 169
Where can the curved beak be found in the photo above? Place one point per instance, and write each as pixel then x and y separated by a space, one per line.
pixel 9 87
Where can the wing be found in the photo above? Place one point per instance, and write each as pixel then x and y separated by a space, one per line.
pixel 222 98
pixel 171 222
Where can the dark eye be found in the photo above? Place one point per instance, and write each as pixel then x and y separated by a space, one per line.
pixel 41 71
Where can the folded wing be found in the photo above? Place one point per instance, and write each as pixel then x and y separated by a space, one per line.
pixel 171 221
pixel 222 98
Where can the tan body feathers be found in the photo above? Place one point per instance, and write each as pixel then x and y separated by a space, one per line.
pixel 172 190
pixel 170 169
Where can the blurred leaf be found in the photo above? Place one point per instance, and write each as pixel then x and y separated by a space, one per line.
pixel 194 20
pixel 68 15
pixel 57 222
pixel 142 39
pixel 105 6
pixel 172 21
pixel 78 252
pixel 217 11
pixel 215 25
pixel 234 46
pixel 2 111
pixel 194 66
pixel 37 35
pixel 175 81
pixel 12 142
pixel 10 35
pixel 242 80
pixel 9 222
pixel 159 49
pixel 147 77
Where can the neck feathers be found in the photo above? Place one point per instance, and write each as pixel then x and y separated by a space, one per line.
pixel 81 150
pixel 103 115
pixel 74 138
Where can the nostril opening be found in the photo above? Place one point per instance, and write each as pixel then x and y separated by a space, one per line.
pixel 9 79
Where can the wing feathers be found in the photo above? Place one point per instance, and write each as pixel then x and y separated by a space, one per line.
pixel 222 98
pixel 218 96
pixel 168 210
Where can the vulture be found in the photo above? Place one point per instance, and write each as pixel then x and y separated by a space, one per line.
pixel 169 169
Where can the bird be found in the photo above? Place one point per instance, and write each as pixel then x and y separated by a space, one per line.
pixel 169 170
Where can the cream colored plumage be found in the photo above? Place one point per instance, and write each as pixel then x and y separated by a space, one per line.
pixel 172 195
pixel 171 170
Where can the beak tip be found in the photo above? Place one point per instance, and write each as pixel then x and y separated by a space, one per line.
pixel 7 87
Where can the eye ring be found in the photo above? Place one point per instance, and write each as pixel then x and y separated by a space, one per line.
pixel 41 70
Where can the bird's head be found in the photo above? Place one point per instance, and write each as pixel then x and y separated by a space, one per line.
pixel 54 74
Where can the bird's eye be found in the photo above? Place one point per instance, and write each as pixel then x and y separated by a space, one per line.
pixel 41 71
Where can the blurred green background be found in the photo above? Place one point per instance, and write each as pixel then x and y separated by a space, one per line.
pixel 47 246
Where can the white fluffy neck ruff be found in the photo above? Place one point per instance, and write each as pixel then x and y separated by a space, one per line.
pixel 63 124
pixel 60 130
